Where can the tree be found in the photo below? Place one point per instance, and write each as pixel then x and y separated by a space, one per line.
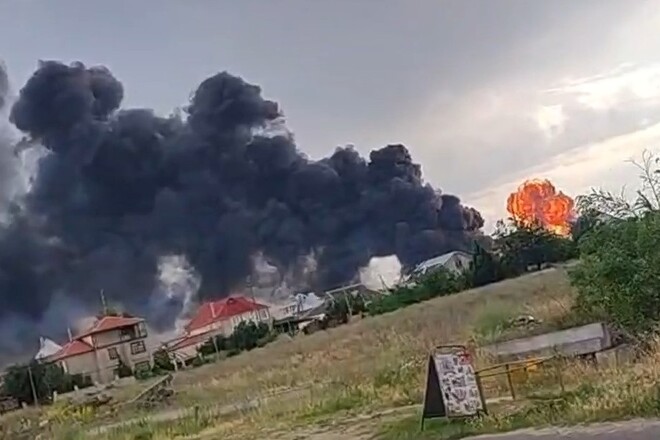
pixel 485 268
pixel 439 282
pixel 521 246
pixel 247 335
pixel 618 277
pixel 46 378
pixel 162 361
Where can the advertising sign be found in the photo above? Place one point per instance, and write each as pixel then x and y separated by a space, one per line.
pixel 452 386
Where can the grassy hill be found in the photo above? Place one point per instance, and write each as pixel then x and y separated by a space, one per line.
pixel 367 351
pixel 369 365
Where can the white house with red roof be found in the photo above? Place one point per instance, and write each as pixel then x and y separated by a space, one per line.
pixel 215 318
pixel 97 351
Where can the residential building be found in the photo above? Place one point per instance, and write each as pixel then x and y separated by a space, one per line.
pixel 47 348
pixel 296 305
pixel 456 261
pixel 215 318
pixel 355 290
pixel 98 351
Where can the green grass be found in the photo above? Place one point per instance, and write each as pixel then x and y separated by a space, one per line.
pixel 612 395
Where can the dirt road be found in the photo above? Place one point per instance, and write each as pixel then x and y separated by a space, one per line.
pixel 630 430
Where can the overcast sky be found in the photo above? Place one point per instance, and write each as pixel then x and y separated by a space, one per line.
pixel 484 93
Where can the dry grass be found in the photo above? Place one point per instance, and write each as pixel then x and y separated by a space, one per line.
pixel 370 364
pixel 367 352
pixel 590 395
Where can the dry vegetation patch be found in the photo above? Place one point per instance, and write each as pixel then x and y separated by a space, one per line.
pixel 370 364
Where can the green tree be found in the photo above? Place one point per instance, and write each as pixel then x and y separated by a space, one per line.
pixel 485 268
pixel 618 277
pixel 619 273
pixel 521 246
pixel 162 361
pixel 46 378
pixel 439 282
pixel 247 335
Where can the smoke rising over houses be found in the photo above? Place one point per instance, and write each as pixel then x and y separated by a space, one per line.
pixel 119 189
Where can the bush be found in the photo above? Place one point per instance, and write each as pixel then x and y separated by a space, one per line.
pixel 247 334
pixel 123 370
pixel 197 362
pixel 618 277
pixel 440 282
pixel 47 378
pixel 162 361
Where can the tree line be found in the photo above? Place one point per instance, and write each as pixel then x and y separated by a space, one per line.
pixel 516 249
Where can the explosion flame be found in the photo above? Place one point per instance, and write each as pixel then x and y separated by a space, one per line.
pixel 537 200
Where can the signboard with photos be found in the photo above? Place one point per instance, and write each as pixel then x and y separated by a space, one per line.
pixel 452 386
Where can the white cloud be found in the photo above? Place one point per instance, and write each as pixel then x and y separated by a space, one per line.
pixel 551 120
pixel 623 84
pixel 601 164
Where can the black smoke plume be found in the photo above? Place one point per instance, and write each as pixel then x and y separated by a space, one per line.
pixel 117 189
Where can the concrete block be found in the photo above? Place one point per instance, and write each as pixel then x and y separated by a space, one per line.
pixel 575 341
pixel 615 357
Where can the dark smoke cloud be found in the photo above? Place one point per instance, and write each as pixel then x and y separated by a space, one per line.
pixel 121 188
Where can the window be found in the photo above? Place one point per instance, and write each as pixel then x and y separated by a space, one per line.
pixel 113 353
pixel 127 333
pixel 142 330
pixel 138 347
pixel 264 313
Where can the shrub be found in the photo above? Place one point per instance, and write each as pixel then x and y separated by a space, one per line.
pixel 47 378
pixel 123 370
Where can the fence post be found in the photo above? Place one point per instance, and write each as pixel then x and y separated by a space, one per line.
pixel 509 379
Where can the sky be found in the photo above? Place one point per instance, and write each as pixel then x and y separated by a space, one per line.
pixel 484 93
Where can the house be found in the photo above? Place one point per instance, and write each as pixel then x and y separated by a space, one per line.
pixel 358 289
pixel 456 261
pixel 296 305
pixel 296 313
pixel 215 318
pixel 98 351
pixel 47 348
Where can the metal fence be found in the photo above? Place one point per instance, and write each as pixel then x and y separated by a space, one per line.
pixel 522 376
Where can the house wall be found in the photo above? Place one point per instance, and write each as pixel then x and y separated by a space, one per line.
pixel 84 364
pixel 216 327
pixel 186 353
pixel 262 315
pixel 226 326
pixel 458 262
pixel 284 310
pixel 112 340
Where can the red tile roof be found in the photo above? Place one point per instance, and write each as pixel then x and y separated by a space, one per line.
pixel 108 323
pixel 72 348
pixel 78 346
pixel 221 310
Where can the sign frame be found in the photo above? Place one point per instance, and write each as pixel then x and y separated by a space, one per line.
pixel 435 404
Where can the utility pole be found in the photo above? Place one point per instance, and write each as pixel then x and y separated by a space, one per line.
pixel 33 387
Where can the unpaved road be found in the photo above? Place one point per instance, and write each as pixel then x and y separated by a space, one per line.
pixel 630 430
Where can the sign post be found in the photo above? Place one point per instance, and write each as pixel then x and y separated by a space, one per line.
pixel 453 388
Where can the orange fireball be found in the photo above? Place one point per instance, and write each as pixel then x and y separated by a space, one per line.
pixel 538 201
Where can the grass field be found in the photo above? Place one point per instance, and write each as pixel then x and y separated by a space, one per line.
pixel 369 365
